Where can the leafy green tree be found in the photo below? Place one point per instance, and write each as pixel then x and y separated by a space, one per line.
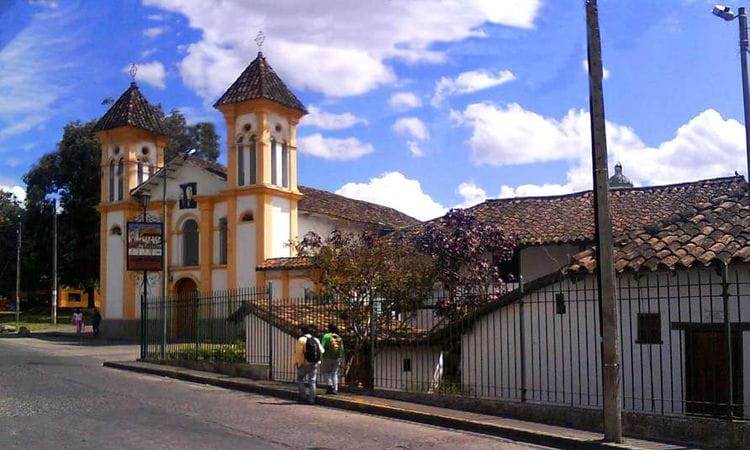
pixel 200 136
pixel 72 174
pixel 11 213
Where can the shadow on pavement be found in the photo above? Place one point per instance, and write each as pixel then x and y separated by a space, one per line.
pixel 87 340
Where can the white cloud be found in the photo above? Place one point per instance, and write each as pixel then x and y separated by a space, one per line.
pixel 414 149
pixel 585 66
pixel 333 148
pixel 471 194
pixel 705 147
pixel 154 32
pixel 404 101
pixel 52 4
pixel 194 115
pixel 326 38
pixel 330 121
pixel 18 191
pixel 395 190
pixel 467 82
pixel 152 73
pixel 411 127
pixel 156 17
pixel 13 161
pixel 35 73
pixel 148 52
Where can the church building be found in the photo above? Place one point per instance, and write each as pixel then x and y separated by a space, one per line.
pixel 226 227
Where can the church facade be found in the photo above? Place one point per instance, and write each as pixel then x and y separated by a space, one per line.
pixel 226 227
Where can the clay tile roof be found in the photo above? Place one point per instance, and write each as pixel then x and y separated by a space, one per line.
pixel 329 204
pixel 290 263
pixel 260 81
pixel 131 109
pixel 724 219
pixel 569 218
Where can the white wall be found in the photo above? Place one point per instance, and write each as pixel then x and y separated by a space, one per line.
pixel 113 303
pixel 323 226
pixel 541 260
pixel 246 257
pixel 561 355
pixel 425 374
pixel 219 279
pixel 280 229
pixel 258 331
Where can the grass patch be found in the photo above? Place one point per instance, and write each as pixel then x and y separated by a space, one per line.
pixel 38 319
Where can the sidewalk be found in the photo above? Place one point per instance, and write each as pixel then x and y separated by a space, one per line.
pixel 530 432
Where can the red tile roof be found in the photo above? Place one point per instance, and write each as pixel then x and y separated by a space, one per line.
pixel 713 231
pixel 131 109
pixel 329 204
pixel 290 263
pixel 569 218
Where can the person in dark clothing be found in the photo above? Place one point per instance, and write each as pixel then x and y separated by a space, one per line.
pixel 96 319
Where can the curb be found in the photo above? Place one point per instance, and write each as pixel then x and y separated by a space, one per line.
pixel 459 423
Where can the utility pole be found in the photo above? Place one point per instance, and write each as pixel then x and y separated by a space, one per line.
pixel 603 230
pixel 54 263
pixel 164 258
pixel 745 88
pixel 18 274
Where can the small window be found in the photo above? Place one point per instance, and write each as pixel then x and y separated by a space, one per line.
pixel 407 364
pixel 144 151
pixel 223 236
pixel 240 162
pixel 139 168
pixel 284 165
pixel 190 242
pixel 274 163
pixel 649 328
pixel 112 181
pixel 252 160
pixel 247 216
pixel 120 179
pixel 116 231
pixel 187 195
pixel 74 297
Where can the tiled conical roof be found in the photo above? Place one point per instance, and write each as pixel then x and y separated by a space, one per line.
pixel 260 81
pixel 131 109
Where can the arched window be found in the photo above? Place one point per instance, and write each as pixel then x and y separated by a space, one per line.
pixel 223 240
pixel 116 230
pixel 252 171
pixel 274 163
pixel 284 165
pixel 190 243
pixel 246 216
pixel 139 168
pixel 240 162
pixel 120 179
pixel 111 181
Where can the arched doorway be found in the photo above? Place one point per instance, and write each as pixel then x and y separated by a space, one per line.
pixel 184 310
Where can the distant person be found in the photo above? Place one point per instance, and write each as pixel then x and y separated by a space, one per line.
pixel 78 320
pixel 307 356
pixel 333 353
pixel 96 319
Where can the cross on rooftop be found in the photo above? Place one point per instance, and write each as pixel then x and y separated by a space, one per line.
pixel 133 70
pixel 260 39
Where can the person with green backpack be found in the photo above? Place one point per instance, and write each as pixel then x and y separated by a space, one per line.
pixel 333 353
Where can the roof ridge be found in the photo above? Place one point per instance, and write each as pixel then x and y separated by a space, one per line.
pixel 717 180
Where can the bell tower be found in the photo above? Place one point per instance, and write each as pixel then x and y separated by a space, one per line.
pixel 132 142
pixel 261 115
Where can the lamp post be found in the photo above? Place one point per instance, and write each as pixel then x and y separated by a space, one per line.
pixel 145 199
pixel 726 13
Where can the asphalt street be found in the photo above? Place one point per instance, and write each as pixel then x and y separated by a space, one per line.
pixel 55 394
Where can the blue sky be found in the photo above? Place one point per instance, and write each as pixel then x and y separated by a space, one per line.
pixel 421 105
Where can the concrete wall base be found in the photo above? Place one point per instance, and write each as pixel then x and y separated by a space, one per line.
pixel 120 329
pixel 701 431
pixel 252 371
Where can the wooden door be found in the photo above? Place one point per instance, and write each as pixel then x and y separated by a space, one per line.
pixel 707 374
pixel 183 310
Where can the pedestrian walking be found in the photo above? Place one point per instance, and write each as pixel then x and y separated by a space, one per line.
pixel 78 320
pixel 307 356
pixel 333 353
pixel 96 319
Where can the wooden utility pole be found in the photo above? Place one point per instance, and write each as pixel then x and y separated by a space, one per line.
pixel 603 236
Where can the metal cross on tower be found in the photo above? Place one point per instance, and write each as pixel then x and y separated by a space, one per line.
pixel 133 70
pixel 260 39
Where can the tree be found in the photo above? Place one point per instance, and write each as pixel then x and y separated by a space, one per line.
pixel 359 273
pixel 201 136
pixel 11 213
pixel 467 254
pixel 72 174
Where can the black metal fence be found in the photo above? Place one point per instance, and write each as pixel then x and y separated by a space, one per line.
pixel 684 338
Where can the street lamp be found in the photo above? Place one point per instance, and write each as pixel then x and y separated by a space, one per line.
pixel 144 198
pixel 726 13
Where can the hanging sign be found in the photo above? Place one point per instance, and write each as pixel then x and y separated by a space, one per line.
pixel 145 246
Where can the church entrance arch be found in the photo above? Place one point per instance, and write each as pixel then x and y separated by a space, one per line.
pixel 185 310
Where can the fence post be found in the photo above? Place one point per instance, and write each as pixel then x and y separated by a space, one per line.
pixel 196 322
pixel 269 296
pixel 728 330
pixel 372 342
pixel 522 339
pixel 143 327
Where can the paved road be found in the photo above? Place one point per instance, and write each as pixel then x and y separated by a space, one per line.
pixel 56 394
